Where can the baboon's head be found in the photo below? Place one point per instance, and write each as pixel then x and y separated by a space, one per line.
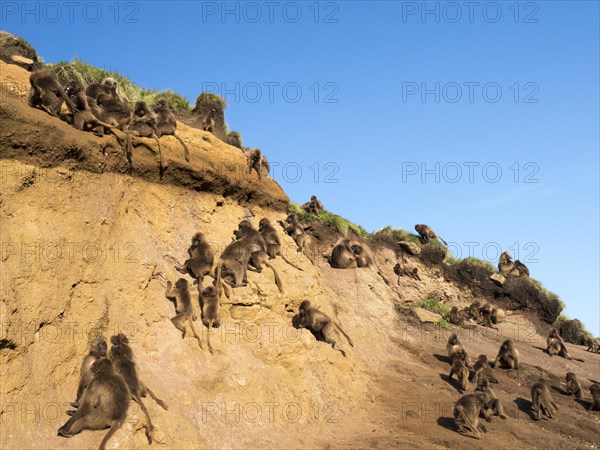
pixel 304 307
pixel 161 104
pixel 111 83
pixel 182 283
pixel 141 108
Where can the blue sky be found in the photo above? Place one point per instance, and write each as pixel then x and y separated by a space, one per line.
pixel 482 123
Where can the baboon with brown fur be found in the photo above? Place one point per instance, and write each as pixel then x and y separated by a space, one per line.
pixel 82 114
pixel 143 124
pixel 166 124
pixel 592 345
pixel 402 268
pixel 506 264
pixel 573 386
pixel 209 305
pixel 122 358
pixel 595 391
pixel 457 316
pixel 293 228
pixel 481 370
pixel 556 345
pixel 183 306
pixel 314 206
pixel 201 259
pixel 107 105
pixel 97 351
pixel 47 93
pixel 507 356
pixel 342 256
pixel 466 414
pixel 321 324
pixel 208 124
pixel 362 255
pixel 460 369
pixel 454 347
pixel 491 404
pixel 427 234
pixel 104 403
pixel 521 268
pixel 257 161
pixel 541 400
pixel 272 241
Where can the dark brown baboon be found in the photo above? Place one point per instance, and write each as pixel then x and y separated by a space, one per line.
pixel 489 315
pixel 466 414
pixel 47 93
pixel 314 206
pixel 107 87
pixel 521 268
pixel 183 306
pixel 508 355
pixel 475 312
pixel 97 351
pixel 272 241
pixel 208 124
pixel 342 256
pixel 209 305
pixel 104 403
pixel 481 370
pixel 491 404
pixel 595 391
pixel 402 269
pixel 542 401
pixel 454 347
pixel 82 114
pixel 573 386
pixel 555 345
pixel 257 161
pixel 143 124
pixel 320 323
pixel 122 358
pixel 362 255
pixel 166 123
pixel 200 261
pixel 107 105
pixel 506 265
pixel 427 234
pixel 592 344
pixel 460 369
pixel 293 228
pixel 457 316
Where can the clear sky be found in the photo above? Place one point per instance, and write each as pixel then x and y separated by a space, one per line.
pixel 480 119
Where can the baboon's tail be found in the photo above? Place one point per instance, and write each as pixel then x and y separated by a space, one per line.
pixel 462 414
pixel 277 279
pixel 344 333
pixel 116 424
pixel 218 278
pixel 445 243
pixel 210 324
pixel 129 151
pixel 162 404
pixel 186 150
pixel 291 263
pixel 194 331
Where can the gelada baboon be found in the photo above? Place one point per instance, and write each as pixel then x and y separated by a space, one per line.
pixel 342 256
pixel 460 369
pixel 143 124
pixel 508 356
pixel 47 93
pixel 166 123
pixel 208 124
pixel 293 228
pixel 506 265
pixel 209 305
pixel 272 241
pixel 521 268
pixel 104 403
pixel 258 255
pixel 183 306
pixel 555 345
pixel 573 386
pixel 107 105
pixel 314 206
pixel 107 87
pixel 82 114
pixel 488 315
pixel 97 351
pixel 320 324
pixel 481 370
pixel 427 234
pixel 542 401
pixel 595 391
pixel 403 269
pixel 362 255
pixel 454 347
pixel 200 261
pixel 491 404
pixel 257 161
pixel 592 344
pixel 457 316
pixel 466 414
pixel 121 356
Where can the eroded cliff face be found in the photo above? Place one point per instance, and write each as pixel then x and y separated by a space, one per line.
pixel 88 248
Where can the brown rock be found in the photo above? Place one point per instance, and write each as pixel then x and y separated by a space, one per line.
pixel 427 316
pixel 498 278
pixel 410 247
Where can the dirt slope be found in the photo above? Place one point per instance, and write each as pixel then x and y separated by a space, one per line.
pixel 86 247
